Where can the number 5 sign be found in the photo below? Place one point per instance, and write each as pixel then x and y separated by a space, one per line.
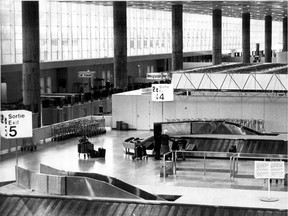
pixel 162 92
pixel 16 124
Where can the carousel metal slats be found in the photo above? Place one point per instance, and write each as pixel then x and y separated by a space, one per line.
pixel 250 212
pixel 10 206
pixel 262 213
pixel 192 211
pixel 219 211
pixel 112 209
pixel 173 211
pixel 25 210
pixel 213 144
pixel 280 146
pixel 77 205
pixel 253 150
pixel 270 146
pixel 121 209
pixel 164 210
pixel 28 207
pixel 222 145
pixel 250 145
pixel 275 146
pixel 207 144
pixel 19 208
pixel 267 213
pixel 262 147
pixel 103 208
pixel 85 208
pixel 207 211
pixel 284 213
pixel 156 209
pixel 66 208
pixel 60 206
pixel 147 210
pixel 258 146
pixel 244 146
pixel 240 145
pixel 277 213
pixel 201 146
pixel 51 206
pixel 93 207
pixel 14 205
pixel 130 208
pixel 182 211
pixel 4 202
pixel 139 209
pixel 42 207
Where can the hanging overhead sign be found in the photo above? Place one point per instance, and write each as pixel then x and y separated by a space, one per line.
pixel 162 92
pixel 16 124
pixel 157 76
pixel 86 74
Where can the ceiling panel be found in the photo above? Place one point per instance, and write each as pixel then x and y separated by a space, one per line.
pixel 257 9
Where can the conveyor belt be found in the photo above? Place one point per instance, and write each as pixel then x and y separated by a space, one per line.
pixel 36 205
pixel 114 182
pixel 253 146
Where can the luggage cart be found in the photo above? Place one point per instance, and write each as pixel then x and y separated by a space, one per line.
pixel 85 147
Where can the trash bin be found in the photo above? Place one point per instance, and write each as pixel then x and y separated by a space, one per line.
pixel 168 169
pixel 119 125
pixel 124 126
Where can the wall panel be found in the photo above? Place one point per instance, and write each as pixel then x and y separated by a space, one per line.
pixel 271 109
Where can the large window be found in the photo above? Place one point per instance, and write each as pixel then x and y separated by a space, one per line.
pixel 81 30
pixel 147 31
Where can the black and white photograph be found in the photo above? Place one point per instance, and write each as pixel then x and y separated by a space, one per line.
pixel 145 107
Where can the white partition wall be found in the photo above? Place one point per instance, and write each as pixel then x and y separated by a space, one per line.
pixel 141 113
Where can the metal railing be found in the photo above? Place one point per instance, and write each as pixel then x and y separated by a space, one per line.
pixel 204 154
pixel 234 162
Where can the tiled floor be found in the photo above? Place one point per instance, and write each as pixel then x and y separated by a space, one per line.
pixel 193 187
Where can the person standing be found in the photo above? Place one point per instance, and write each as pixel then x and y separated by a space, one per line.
pixel 165 142
pixel 157 143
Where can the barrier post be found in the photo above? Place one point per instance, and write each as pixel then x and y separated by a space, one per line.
pixel 17 174
pixel 204 164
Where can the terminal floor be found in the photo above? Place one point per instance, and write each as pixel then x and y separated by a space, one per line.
pixel 192 187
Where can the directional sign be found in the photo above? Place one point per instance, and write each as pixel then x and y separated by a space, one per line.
pixel 162 92
pixel 16 124
pixel 86 74
pixel 157 76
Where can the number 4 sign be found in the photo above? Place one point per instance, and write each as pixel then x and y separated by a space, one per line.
pixel 16 124
pixel 162 92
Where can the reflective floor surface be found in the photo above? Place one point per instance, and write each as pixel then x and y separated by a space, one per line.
pixel 192 186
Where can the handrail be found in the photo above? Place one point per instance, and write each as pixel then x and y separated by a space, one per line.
pixel 235 158
pixel 191 152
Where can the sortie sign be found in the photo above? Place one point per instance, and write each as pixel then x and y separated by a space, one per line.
pixel 16 124
pixel 162 92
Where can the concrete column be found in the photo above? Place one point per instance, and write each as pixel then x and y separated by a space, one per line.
pixel 285 38
pixel 246 37
pixel 31 56
pixel 268 38
pixel 120 45
pixel 217 37
pixel 177 37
